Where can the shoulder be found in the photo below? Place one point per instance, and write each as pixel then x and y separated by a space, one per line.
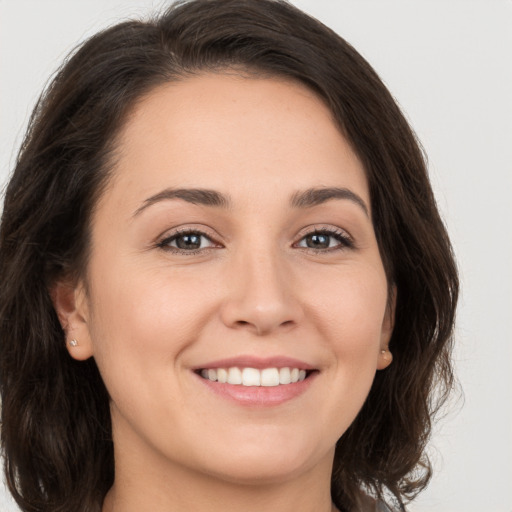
pixel 368 504
pixel 380 506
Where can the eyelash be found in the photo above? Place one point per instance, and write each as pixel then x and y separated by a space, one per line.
pixel 345 241
pixel 165 243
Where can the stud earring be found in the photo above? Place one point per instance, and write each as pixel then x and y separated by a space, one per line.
pixel 73 343
pixel 386 354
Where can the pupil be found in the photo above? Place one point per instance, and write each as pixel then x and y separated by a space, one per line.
pixel 189 242
pixel 316 241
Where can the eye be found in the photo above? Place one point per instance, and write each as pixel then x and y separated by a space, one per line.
pixel 189 241
pixel 325 239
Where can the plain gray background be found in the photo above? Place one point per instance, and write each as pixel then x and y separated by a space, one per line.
pixel 449 65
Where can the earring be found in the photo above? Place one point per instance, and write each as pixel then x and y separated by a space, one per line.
pixel 73 343
pixel 386 354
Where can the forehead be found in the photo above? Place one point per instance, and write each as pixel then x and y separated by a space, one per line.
pixel 223 130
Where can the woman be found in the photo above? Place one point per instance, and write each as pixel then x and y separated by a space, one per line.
pixel 225 282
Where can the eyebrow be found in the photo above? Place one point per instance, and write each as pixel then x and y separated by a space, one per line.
pixel 206 197
pixel 315 196
pixel 200 196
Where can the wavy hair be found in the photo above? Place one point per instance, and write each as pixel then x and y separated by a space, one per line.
pixel 56 428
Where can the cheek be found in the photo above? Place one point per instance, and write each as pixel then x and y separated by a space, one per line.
pixel 142 321
pixel 349 309
pixel 350 313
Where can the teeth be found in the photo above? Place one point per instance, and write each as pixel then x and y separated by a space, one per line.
pixel 234 376
pixel 270 377
pixel 222 375
pixel 251 377
pixel 284 376
pixel 267 377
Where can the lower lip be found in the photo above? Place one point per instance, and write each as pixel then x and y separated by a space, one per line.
pixel 259 395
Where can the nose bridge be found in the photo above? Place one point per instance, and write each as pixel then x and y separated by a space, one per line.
pixel 260 295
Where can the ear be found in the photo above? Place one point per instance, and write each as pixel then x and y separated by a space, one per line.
pixel 70 303
pixel 388 323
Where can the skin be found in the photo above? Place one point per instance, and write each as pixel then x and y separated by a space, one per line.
pixel 149 313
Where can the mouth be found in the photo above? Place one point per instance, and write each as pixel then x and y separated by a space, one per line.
pixel 253 381
pixel 255 377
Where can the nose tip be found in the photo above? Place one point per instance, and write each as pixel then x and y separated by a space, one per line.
pixel 261 299
pixel 263 322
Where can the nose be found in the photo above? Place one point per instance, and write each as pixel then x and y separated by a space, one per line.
pixel 261 295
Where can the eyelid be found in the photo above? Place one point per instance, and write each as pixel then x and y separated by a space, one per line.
pixel 165 238
pixel 346 240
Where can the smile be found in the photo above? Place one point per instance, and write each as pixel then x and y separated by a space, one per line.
pixel 266 377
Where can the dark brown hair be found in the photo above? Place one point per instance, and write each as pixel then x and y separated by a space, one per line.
pixel 56 431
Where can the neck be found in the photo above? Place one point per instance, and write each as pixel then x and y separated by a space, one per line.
pixel 173 489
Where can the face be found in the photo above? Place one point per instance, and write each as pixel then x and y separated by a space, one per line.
pixel 234 243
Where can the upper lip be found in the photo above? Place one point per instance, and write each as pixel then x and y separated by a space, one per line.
pixel 247 361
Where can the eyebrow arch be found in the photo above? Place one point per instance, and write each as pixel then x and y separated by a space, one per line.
pixel 200 196
pixel 315 196
pixel 206 197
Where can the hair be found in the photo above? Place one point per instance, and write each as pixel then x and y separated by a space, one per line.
pixel 56 428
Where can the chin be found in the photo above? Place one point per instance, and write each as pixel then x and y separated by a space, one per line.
pixel 263 462
pixel 261 472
